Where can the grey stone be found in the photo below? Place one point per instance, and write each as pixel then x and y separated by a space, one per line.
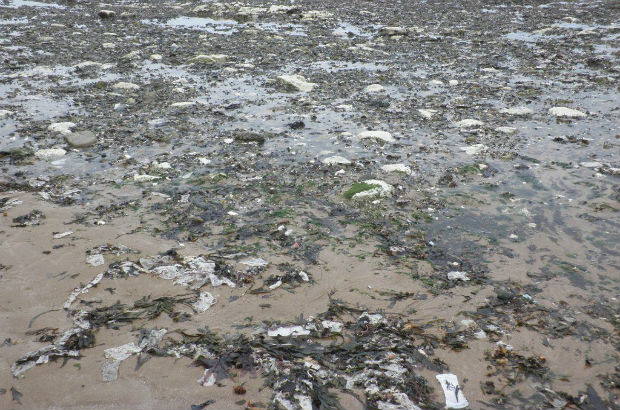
pixel 81 139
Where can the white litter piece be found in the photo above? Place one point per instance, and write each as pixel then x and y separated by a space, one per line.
pixel 276 285
pixel 78 291
pixel 207 379
pixel 205 301
pixel 62 234
pixel 255 263
pixel 288 331
pixel 115 356
pixel 455 399
pixel 123 352
pixel 95 260
pixel 335 327
pixel 458 275
pixel 304 276
pixel 11 203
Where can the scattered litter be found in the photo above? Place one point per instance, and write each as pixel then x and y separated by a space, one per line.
pixel 95 260
pixel 77 291
pixel 205 301
pixel 452 391
pixel 288 331
pixel 458 275
pixel 255 263
pixel 62 234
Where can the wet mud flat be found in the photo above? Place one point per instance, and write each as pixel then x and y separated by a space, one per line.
pixel 309 205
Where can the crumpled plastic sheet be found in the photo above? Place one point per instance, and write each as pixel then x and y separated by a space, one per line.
pixel 77 291
pixel 115 355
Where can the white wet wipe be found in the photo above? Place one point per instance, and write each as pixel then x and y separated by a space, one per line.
pixel 455 399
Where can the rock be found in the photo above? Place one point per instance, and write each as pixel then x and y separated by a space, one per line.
pixel 376 135
pixel 468 123
pixel 474 149
pixel 50 153
pixel 428 114
pixel 592 164
pixel 566 112
pixel 106 14
pixel 209 58
pixel 183 104
pixel 156 57
pixel 393 31
pixel 379 189
pixel 81 139
pixel 145 177
pixel 336 160
pixel 61 127
pixel 506 130
pixel 520 111
pixel 402 168
pixel 122 85
pixel 453 82
pixel 295 82
pixel 5 113
pixel 374 88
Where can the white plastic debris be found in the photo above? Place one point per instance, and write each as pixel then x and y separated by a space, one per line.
pixel 77 291
pixel 453 393
pixel 207 379
pixel 335 327
pixel 276 285
pixel 458 275
pixel 255 263
pixel 304 276
pixel 205 301
pixel 95 260
pixel 288 331
pixel 376 135
pixel 62 234
pixel 121 352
